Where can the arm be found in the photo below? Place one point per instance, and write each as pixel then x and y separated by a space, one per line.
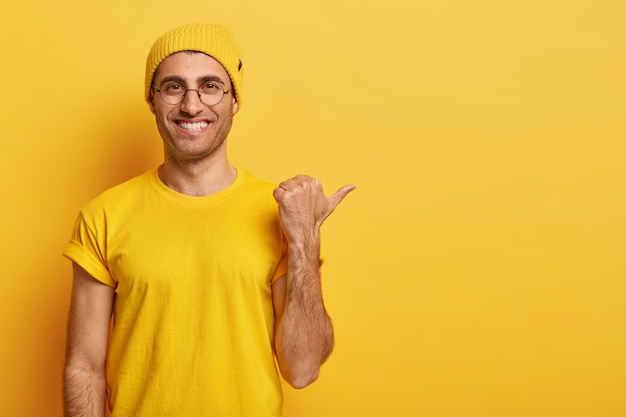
pixel 304 335
pixel 84 383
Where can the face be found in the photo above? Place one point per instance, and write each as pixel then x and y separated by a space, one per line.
pixel 191 130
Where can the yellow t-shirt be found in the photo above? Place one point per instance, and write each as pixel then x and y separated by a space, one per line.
pixel 193 323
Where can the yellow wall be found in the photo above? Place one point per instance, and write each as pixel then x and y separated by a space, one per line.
pixel 478 270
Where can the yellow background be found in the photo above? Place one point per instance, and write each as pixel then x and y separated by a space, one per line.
pixel 478 270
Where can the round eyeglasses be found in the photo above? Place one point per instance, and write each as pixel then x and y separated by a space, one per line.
pixel 173 92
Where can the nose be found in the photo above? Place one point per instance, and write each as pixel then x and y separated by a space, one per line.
pixel 191 103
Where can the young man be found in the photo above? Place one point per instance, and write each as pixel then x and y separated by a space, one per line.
pixel 192 280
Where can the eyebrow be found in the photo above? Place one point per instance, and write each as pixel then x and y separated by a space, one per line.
pixel 200 81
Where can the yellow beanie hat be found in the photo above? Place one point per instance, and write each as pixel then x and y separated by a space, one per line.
pixel 213 40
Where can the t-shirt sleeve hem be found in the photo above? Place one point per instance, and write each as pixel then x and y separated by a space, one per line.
pixel 77 254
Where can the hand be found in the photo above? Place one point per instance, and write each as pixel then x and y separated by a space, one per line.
pixel 303 206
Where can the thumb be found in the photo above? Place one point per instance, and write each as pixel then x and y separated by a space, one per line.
pixel 340 194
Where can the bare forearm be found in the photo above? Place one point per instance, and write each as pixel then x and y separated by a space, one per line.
pixel 304 335
pixel 84 392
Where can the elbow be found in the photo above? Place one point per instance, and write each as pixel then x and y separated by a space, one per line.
pixel 300 380
pixel 301 371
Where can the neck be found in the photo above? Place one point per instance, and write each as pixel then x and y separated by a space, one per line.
pixel 197 180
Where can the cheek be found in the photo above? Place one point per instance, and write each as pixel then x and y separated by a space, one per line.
pixel 161 114
pixel 162 124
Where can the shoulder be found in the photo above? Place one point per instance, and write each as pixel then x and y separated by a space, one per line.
pixel 120 194
pixel 253 183
pixel 256 192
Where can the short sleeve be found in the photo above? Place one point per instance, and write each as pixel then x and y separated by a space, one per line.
pixel 87 248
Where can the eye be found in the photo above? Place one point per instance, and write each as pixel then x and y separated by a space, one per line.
pixel 210 88
pixel 172 88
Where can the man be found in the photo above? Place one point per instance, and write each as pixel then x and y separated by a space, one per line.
pixel 193 280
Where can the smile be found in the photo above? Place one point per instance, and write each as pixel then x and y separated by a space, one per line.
pixel 193 126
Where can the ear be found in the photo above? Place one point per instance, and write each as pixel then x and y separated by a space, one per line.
pixel 150 101
pixel 235 107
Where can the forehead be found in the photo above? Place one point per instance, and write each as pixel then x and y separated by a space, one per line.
pixel 190 66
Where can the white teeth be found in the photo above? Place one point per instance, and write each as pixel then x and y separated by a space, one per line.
pixel 193 126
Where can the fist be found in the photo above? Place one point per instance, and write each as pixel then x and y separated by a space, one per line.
pixel 303 206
